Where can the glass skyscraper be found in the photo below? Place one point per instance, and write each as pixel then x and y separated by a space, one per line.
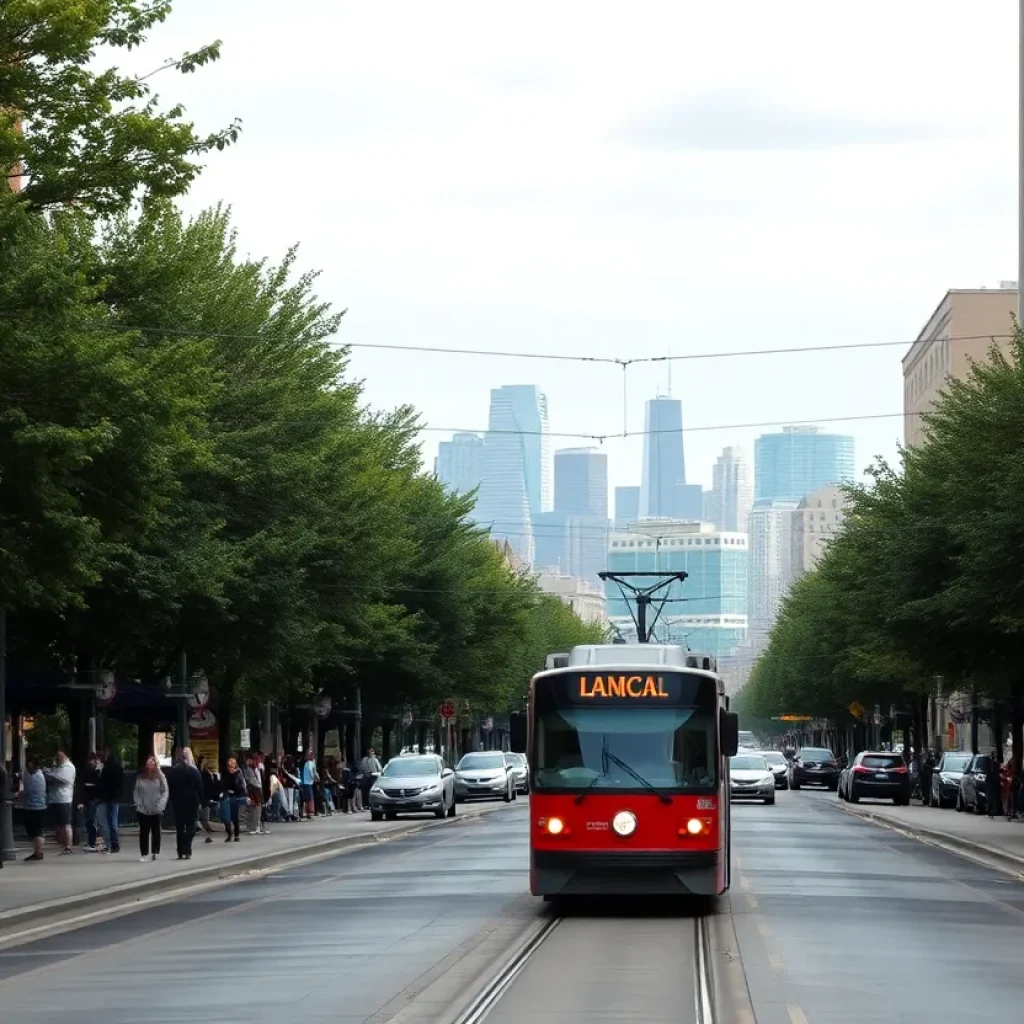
pixel 627 506
pixel 515 485
pixel 459 462
pixel 708 611
pixel 798 461
pixel 664 467
pixel 581 482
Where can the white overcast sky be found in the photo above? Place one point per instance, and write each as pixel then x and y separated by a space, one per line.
pixel 621 180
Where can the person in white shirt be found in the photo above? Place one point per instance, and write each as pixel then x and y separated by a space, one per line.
pixel 60 791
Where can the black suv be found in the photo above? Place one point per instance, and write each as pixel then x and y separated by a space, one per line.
pixel 879 774
pixel 814 766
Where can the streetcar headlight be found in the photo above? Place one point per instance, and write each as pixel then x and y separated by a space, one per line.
pixel 695 826
pixel 624 823
pixel 555 826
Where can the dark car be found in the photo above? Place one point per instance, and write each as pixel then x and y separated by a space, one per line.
pixel 946 778
pixel 814 766
pixel 973 796
pixel 879 775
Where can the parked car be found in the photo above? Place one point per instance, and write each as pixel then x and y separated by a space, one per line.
pixel 945 789
pixel 778 766
pixel 750 778
pixel 971 795
pixel 520 771
pixel 484 775
pixel 413 784
pixel 814 766
pixel 879 775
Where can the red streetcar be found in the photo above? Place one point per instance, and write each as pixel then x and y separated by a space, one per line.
pixel 629 778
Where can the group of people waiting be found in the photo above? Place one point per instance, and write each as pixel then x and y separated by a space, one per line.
pixel 252 788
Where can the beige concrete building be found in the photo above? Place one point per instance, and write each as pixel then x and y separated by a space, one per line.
pixel 815 522
pixel 588 602
pixel 961 330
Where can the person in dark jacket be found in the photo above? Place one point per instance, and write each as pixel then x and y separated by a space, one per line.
pixel 234 796
pixel 211 791
pixel 993 786
pixel 186 794
pixel 87 800
pixel 109 789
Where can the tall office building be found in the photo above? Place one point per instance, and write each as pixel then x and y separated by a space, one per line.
pixel 581 482
pixel 459 462
pixel 707 611
pixel 816 522
pixel 960 332
pixel 732 491
pixel 664 467
pixel 515 484
pixel 627 506
pixel 790 465
pixel 772 568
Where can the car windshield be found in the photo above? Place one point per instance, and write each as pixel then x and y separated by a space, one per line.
pixel 670 748
pixel 773 757
pixel 519 760
pixel 881 761
pixel 748 763
pixel 955 762
pixel 475 762
pixel 410 766
pixel 816 754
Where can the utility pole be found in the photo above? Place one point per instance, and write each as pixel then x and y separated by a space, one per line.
pixel 182 702
pixel 1020 163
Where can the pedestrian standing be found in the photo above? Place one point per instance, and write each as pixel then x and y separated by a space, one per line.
pixel 32 795
pixel 210 796
pixel 993 785
pixel 369 769
pixel 233 798
pixel 109 790
pixel 151 794
pixel 185 786
pixel 60 786
pixel 87 799
pixel 254 792
pixel 308 784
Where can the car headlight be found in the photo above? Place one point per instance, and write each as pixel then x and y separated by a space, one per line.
pixel 376 789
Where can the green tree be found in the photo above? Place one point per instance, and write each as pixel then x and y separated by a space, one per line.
pixel 82 134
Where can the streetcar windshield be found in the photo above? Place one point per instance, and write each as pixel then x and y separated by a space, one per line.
pixel 669 748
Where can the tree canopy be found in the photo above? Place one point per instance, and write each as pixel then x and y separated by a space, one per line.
pixel 923 586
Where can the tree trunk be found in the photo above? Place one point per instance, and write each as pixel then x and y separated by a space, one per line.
pixel 387 728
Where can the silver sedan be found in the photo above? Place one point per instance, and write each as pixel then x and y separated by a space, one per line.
pixel 484 775
pixel 413 784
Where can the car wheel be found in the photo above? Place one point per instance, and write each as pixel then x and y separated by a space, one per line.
pixel 769 799
pixel 376 816
pixel 391 815
pixel 854 795
pixel 508 796
pixel 959 803
pixel 451 808
pixel 795 785
pixel 441 811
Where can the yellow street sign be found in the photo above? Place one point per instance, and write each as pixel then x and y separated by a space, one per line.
pixel 794 718
pixel 856 709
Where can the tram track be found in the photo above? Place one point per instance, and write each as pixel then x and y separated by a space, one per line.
pixel 573 934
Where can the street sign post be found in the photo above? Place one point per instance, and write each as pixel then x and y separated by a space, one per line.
pixel 447 711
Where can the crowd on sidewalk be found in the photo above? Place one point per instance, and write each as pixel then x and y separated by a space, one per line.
pixel 252 790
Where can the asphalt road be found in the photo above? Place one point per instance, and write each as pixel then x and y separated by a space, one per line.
pixel 833 920
pixel 332 941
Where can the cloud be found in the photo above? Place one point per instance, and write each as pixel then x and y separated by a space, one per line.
pixel 742 121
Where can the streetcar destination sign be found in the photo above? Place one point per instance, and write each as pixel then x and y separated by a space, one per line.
pixel 622 686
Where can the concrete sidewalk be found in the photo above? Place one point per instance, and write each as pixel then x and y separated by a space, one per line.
pixel 996 840
pixel 62 886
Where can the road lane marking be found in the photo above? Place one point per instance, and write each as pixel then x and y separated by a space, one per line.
pixel 796 1015
pixel 763 930
pixel 776 961
pixel 744 882
pixel 752 900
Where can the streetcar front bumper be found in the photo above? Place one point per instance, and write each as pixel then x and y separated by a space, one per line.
pixel 625 873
